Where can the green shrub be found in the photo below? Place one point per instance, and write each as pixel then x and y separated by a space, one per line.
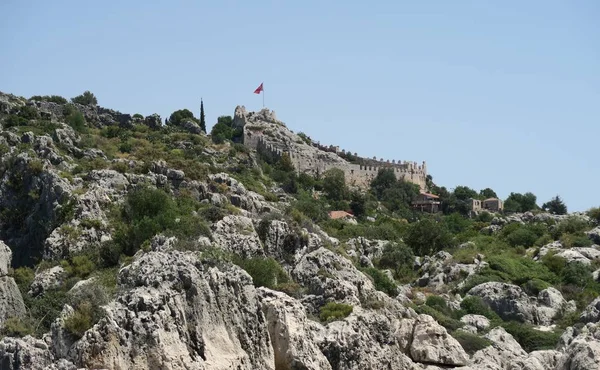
pixel 522 237
pixel 400 259
pixel 575 241
pixel 427 237
pixel 110 253
pixel 36 166
pixel 265 272
pixel 80 321
pixel 76 121
pixel 437 302
pixel 576 273
pixel 534 286
pixel 519 270
pixel 24 277
pixel 476 306
pixel 51 98
pixel 333 311
pixel 382 281
pixel 87 98
pixel 485 217
pixel 17 327
pixel 80 266
pixel 471 343
pixel 125 147
pixel 448 322
pixel 44 309
pixel 594 214
pixel 571 225
pixel 531 339
pixel 213 213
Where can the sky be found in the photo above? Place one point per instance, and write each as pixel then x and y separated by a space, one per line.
pixel 501 94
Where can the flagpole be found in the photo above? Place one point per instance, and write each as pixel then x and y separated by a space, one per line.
pixel 263 91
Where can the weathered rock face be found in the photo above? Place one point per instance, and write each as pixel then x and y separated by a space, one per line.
pixel 439 270
pixel 153 121
pixel 475 323
pixel 581 348
pixel 293 336
pixel 591 312
pixel 177 313
pixel 11 301
pixel 238 195
pixel 333 278
pixel 236 234
pixel 191 126
pixel 39 200
pixel 512 303
pixel 47 279
pixel 29 353
pixel 431 344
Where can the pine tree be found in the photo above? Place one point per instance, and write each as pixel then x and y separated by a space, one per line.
pixel 202 120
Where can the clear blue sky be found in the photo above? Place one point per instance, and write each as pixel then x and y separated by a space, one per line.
pixel 503 95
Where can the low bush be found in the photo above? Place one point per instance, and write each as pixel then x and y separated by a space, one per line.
pixel 570 225
pixel 575 241
pixel 529 338
pixel 80 321
pixel 471 343
pixel 333 311
pixel 476 306
pixel 535 286
pixel 438 303
pixel 594 214
pixel 382 282
pixel 17 327
pixel 400 259
pixel 265 272
pixel 448 322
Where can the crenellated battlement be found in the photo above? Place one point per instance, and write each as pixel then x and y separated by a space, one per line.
pixel 274 139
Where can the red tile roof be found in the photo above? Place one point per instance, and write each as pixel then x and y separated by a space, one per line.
pixel 334 215
pixel 430 195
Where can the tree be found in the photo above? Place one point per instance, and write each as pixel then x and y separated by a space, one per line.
pixel 555 206
pixel 202 117
pixel 179 115
pixel 384 180
pixel 87 98
pixel 517 202
pixel 334 184
pixel 427 237
pixel 220 133
pixel 487 193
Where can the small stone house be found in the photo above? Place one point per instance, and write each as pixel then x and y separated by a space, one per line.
pixel 474 204
pixel 493 205
pixel 427 202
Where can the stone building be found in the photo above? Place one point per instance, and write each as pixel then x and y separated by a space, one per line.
pixel 427 202
pixel 493 205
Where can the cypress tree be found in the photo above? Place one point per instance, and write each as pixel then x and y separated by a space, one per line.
pixel 202 121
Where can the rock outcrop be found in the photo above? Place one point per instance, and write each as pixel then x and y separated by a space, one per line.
pixel 176 312
pixel 11 301
pixel 512 303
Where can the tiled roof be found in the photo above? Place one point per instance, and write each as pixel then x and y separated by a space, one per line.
pixel 339 214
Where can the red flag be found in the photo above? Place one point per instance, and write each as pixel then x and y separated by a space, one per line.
pixel 259 89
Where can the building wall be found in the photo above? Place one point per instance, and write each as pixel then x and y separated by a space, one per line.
pixel 356 174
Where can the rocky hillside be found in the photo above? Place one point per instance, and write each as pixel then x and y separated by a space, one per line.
pixel 128 244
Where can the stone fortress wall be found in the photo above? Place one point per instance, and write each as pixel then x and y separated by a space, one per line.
pixel 263 132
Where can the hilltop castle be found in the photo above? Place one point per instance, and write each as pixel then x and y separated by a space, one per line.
pixel 263 132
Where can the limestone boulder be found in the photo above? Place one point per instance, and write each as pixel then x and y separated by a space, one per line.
pixel 432 344
pixel 479 322
pixel 11 301
pixel 592 312
pixel 236 234
pixel 174 312
pixel 511 303
pixel 293 336
pixel 47 279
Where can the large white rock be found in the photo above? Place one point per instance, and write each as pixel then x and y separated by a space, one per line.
pixel 432 344
pixel 293 336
